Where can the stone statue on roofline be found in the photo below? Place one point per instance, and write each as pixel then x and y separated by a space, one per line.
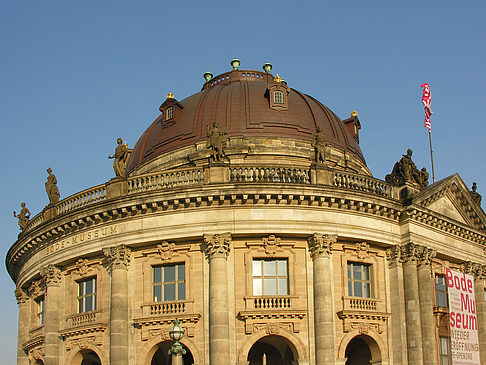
pixel 121 157
pixel 320 146
pixel 51 187
pixel 405 171
pixel 23 216
pixel 216 142
pixel 475 195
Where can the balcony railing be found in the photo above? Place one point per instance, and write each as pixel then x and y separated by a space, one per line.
pixel 83 318
pixel 269 174
pixel 163 180
pixel 269 302
pixel 362 183
pixel 360 304
pixel 161 308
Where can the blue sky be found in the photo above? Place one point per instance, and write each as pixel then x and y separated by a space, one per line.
pixel 74 76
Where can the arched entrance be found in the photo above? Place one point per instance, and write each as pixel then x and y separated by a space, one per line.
pixel 363 350
pixel 162 357
pixel 272 350
pixel 90 358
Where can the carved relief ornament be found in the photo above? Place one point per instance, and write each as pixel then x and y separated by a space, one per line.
pixel 51 275
pixel 475 269
pixel 118 257
pixel 321 244
pixel 21 296
pixel 35 289
pixel 218 245
pixel 271 244
pixel 165 250
pixel 362 251
pixel 410 253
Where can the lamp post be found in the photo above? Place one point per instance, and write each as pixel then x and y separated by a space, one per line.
pixel 176 350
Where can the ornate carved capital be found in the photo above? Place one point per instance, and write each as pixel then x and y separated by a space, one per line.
pixel 475 269
pixel 321 244
pixel 393 254
pixel 35 289
pixel 21 296
pixel 425 255
pixel 118 257
pixel 410 253
pixel 218 245
pixel 51 275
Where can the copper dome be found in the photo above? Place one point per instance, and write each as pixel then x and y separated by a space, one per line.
pixel 239 101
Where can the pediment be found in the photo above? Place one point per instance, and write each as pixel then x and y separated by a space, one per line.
pixel 450 198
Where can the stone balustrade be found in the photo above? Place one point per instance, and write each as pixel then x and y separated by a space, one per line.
pixel 166 308
pixel 269 174
pixel 360 304
pixel 269 302
pixel 83 319
pixel 84 198
pixel 163 180
pixel 362 183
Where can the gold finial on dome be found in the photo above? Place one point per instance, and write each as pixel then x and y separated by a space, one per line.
pixel 354 113
pixel 277 78
pixel 170 96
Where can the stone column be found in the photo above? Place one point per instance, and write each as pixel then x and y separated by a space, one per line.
pixel 397 302
pixel 52 313
pixel 479 272
pixel 426 296
pixel 118 258
pixel 320 247
pixel 24 324
pixel 409 255
pixel 218 247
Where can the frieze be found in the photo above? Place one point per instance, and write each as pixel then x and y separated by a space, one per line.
pixel 82 238
pixel 271 328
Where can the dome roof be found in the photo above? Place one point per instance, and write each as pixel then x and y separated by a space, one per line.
pixel 241 101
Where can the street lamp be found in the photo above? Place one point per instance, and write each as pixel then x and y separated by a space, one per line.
pixel 176 350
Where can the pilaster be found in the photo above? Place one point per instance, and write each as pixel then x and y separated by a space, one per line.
pixel 217 249
pixel 51 275
pixel 426 292
pixel 118 260
pixel 397 301
pixel 479 273
pixel 409 255
pixel 24 323
pixel 320 248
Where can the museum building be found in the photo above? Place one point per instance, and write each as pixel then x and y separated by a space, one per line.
pixel 247 212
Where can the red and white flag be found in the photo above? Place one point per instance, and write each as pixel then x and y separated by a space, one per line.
pixel 426 100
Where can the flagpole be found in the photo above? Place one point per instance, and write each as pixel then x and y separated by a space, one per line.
pixel 431 156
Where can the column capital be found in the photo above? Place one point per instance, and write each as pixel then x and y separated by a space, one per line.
pixel 410 253
pixel 321 244
pixel 425 256
pixel 118 257
pixel 393 255
pixel 475 269
pixel 21 296
pixel 51 275
pixel 217 245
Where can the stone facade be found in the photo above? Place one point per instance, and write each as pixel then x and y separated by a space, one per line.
pixel 285 258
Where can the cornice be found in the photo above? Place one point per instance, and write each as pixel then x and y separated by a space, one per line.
pixel 152 202
pixel 91 328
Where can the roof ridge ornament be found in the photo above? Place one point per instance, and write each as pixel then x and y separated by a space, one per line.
pixel 235 63
pixel 277 78
pixel 170 95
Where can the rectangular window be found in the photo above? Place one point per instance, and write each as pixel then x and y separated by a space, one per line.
pixel 359 280
pixel 278 97
pixel 170 113
pixel 445 351
pixel 169 283
pixel 87 295
pixel 441 298
pixel 270 277
pixel 40 311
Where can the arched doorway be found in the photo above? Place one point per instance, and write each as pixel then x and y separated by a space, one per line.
pixel 272 350
pixel 90 358
pixel 358 352
pixel 162 357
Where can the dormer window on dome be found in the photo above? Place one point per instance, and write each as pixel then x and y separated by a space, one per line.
pixel 277 94
pixel 353 125
pixel 170 110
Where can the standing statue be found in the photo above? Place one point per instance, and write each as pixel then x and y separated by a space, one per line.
pixel 217 141
pixel 23 216
pixel 475 195
pixel 51 187
pixel 120 156
pixel 405 171
pixel 319 146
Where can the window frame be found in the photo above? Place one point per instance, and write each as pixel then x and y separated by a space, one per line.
pixel 162 283
pixel 83 297
pixel 441 293
pixel 169 113
pixel 351 281
pixel 278 97
pixel 40 310
pixel 277 277
pixel 445 358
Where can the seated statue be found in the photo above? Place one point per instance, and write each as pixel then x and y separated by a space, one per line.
pixel 405 171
